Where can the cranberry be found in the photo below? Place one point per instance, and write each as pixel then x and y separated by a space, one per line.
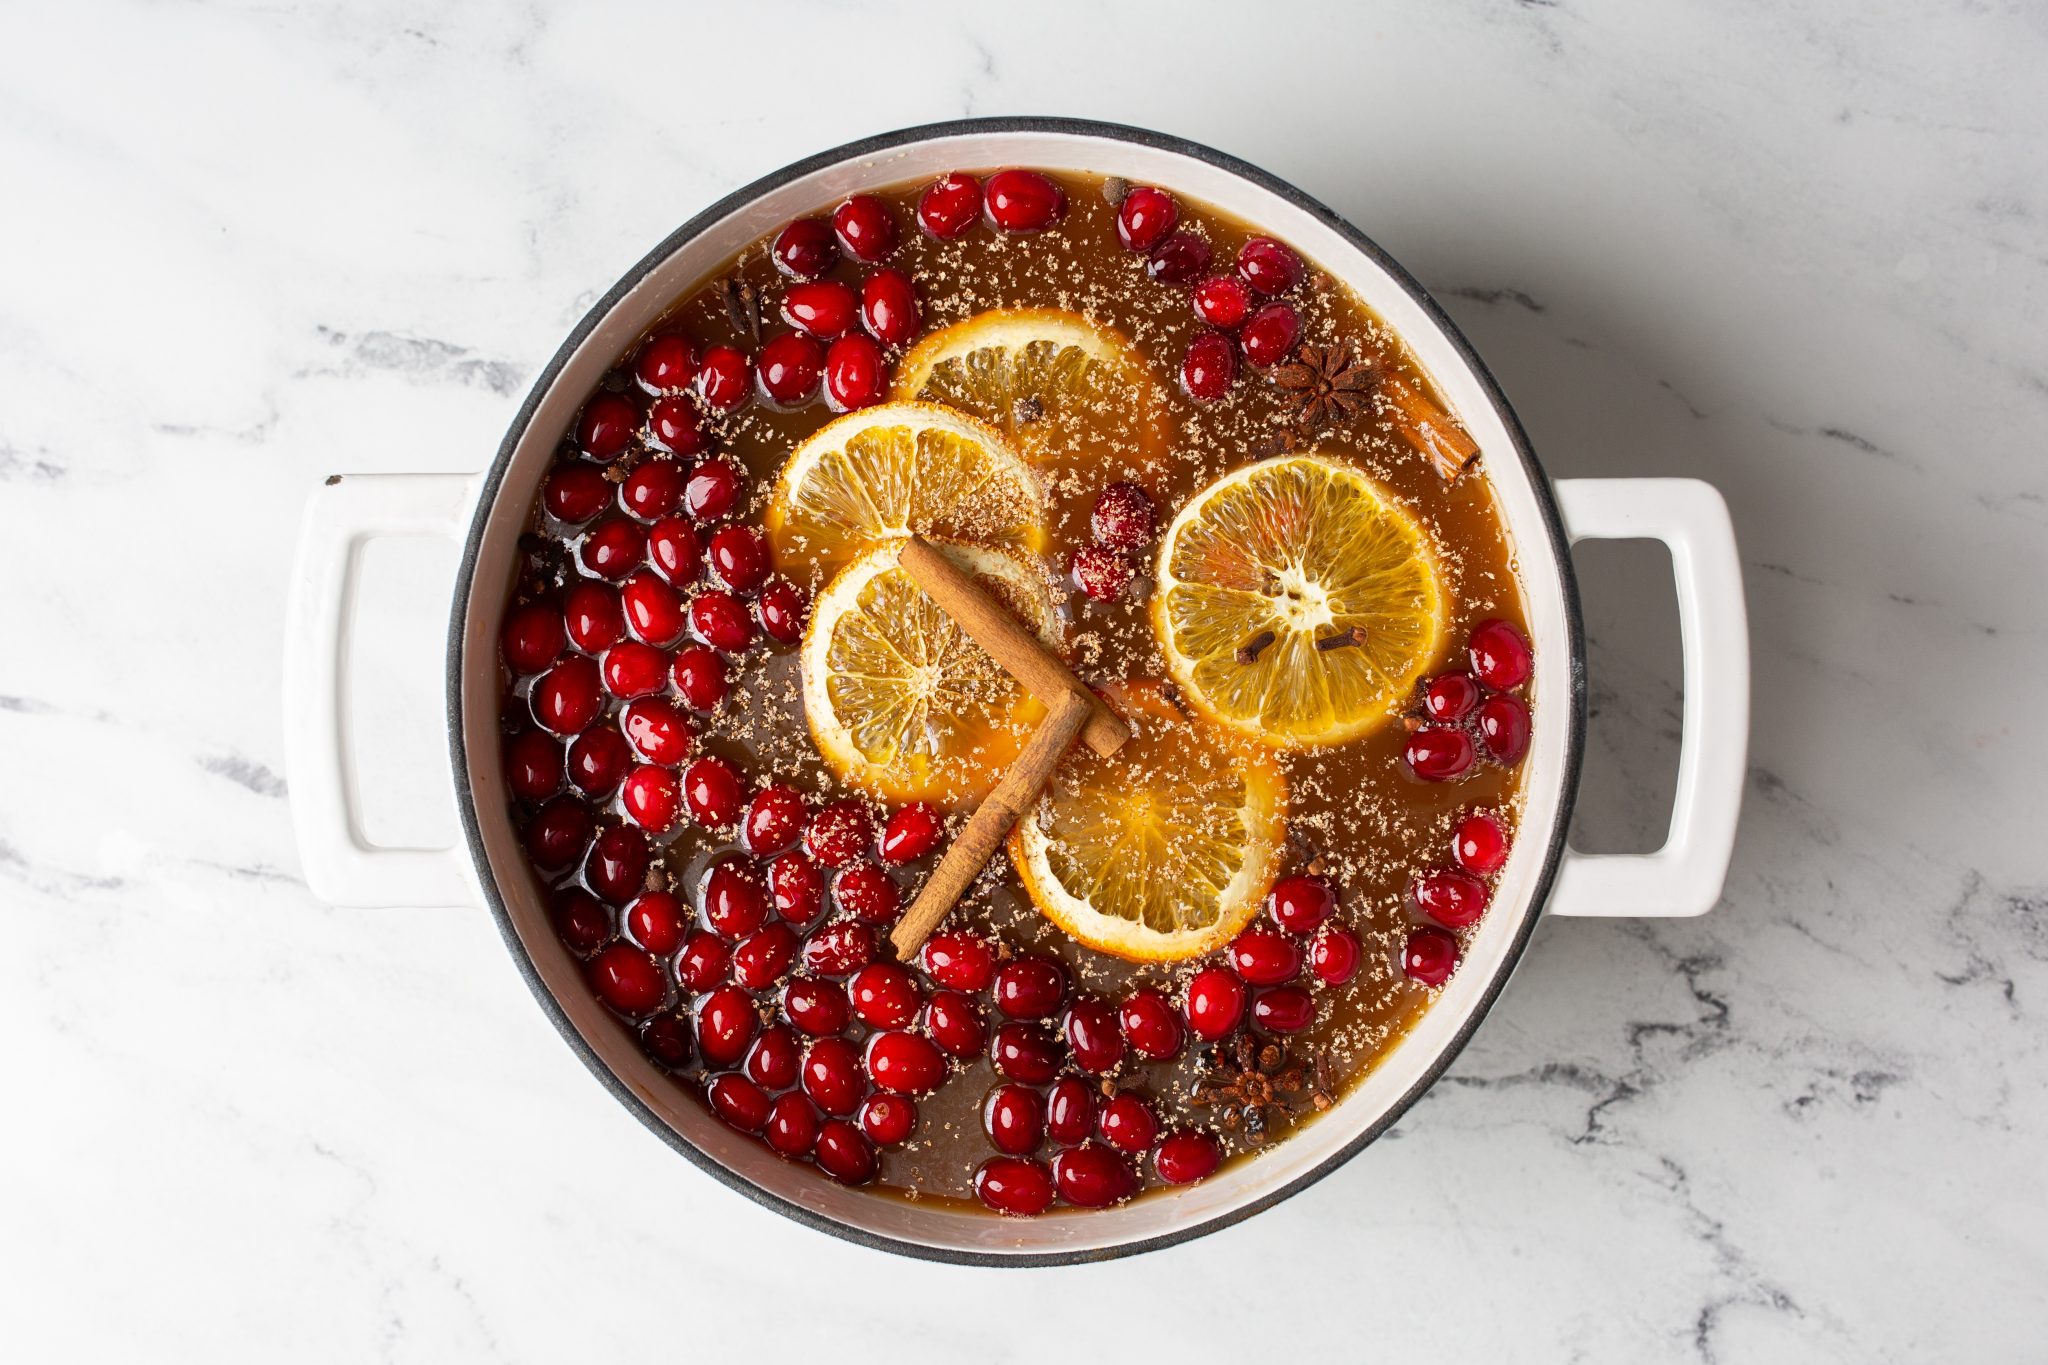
pixel 598 760
pixel 1264 956
pixel 711 491
pixel 617 866
pixel 581 920
pixel 839 833
pixel 775 1058
pixel 732 900
pixel 711 788
pixel 702 964
pixel 1014 1117
pixel 889 308
pixel 1269 335
pixel 627 979
pixel 1092 1176
pixel 655 920
pixel 1030 987
pixel 855 374
pixel 633 669
pixel 1504 728
pixel 1128 1123
pixel 666 364
pixel 957 958
pixel 718 619
pixel 1283 1009
pixel 614 547
pixel 672 425
pixel 739 1102
pixel 651 798
pixel 824 308
pixel 804 250
pixel 653 488
pixel 797 888
pixel 594 616
pixel 1215 1003
pixel 816 1007
pixel 1209 367
pixel 653 610
pixel 1436 754
pixel 843 1153
pixel 905 1063
pixel 792 1126
pixel 533 765
pixel 773 820
pixel 1221 301
pixel 533 637
pixel 699 675
pixel 1123 518
pixel 1013 1185
pixel 1450 696
pixel 673 550
pixel 955 1024
pixel 1024 201
pixel 949 206
pixel 866 229
pixel 575 493
pixel 606 426
pixel 887 1119
pixel 832 1076
pixel 884 995
pixel 1500 654
pixel 1429 956
pixel 1186 1156
pixel 1180 259
pixel 764 955
pixel 1452 898
pixel 1025 1052
pixel 865 892
pixel 725 379
pixel 790 368
pixel 1101 574
pixel 726 1023
pixel 1479 844
pixel 839 950
pixel 1335 955
pixel 911 833
pixel 739 556
pixel 666 1039
pixel 657 729
pixel 1069 1110
pixel 568 697
pixel 1269 266
pixel 1145 217
pixel 782 610
pixel 1092 1037
pixel 1300 903
pixel 1151 1025
pixel 558 833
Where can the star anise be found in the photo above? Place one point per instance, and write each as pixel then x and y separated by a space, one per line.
pixel 1330 385
pixel 1250 1083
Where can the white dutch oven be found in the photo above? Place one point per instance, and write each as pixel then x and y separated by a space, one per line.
pixel 486 512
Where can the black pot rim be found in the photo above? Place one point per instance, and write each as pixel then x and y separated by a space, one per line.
pixel 1560 547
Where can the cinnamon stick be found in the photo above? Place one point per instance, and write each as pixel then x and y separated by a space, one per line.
pixel 1430 429
pixel 991 823
pixel 989 624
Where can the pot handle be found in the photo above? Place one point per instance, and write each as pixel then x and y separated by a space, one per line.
pixel 342 865
pixel 1685 876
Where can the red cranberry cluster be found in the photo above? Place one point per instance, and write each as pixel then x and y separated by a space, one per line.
pixel 1458 707
pixel 1012 200
pixel 1122 523
pixel 837 332
pixel 1453 897
pixel 1244 307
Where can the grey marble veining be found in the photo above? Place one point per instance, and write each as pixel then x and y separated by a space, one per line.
pixel 1801 251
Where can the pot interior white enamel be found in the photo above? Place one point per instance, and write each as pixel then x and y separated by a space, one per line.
pixel 1551 764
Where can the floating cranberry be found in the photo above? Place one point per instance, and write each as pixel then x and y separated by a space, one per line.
pixel 533 637
pixel 1452 898
pixel 1101 574
pixel 711 491
pixel 652 798
pixel 1335 955
pixel 575 493
pixel 606 426
pixel 1283 1009
pixel 1269 266
pixel 672 425
pixel 733 900
pixel 1145 217
pixel 792 1126
pixel 666 364
pixel 804 250
pixel 1013 1185
pixel 568 696
pixel 655 921
pixel 889 308
pixel 1215 1003
pixel 1450 696
pixel 633 669
pixel 1014 1117
pixel 653 611
pixel 702 963
pixel 954 1021
pixel 711 787
pixel 1264 956
pixel 1436 754
pixel 1030 987
pixel 594 616
pixel 884 995
pixel 1151 1025
pixel 739 1102
pixel 911 833
pixel 1187 1156
pixel 1209 367
pixel 739 557
pixel 774 819
pixel 865 892
pixel 839 833
pixel 718 619
pixel 1092 1037
pixel 1024 201
pixel 1180 259
pixel 581 920
pixel 614 547
pixel 1479 844
pixel 1025 1052
pixel 949 206
pixel 699 675
pixel 855 374
pixel 627 979
pixel 905 1063
pixel 887 1119
pixel 657 729
pixel 775 1058
pixel 1128 1123
pixel 725 379
pixel 666 1039
pixel 726 1023
pixel 598 760
pixel 823 309
pixel 764 955
pixel 843 1153
pixel 1123 518
pixel 957 958
pixel 1069 1110
pixel 790 368
pixel 816 1007
pixel 1300 903
pixel 1500 654
pixel 866 229
pixel 533 765
pixel 1092 1176
pixel 652 490
pixel 1503 724
pixel 796 888
pixel 839 950
pixel 558 833
pixel 1429 956
pixel 1269 334
pixel 673 549
pixel 782 609
pixel 1221 301
pixel 617 866
pixel 832 1076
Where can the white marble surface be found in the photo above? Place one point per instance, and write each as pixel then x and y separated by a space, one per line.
pixel 1797 250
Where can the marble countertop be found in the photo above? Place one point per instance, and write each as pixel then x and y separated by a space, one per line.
pixel 1799 251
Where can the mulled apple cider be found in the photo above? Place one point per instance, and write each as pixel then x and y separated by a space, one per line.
pixel 1017 690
